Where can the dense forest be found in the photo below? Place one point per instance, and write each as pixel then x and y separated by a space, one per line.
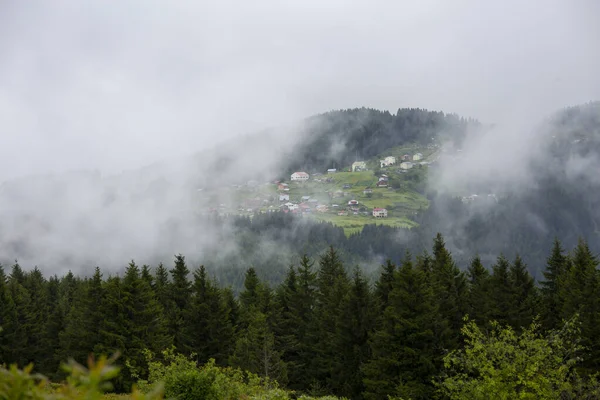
pixel 324 330
pixel 338 138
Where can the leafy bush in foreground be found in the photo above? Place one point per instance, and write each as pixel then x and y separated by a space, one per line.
pixel 82 383
pixel 184 380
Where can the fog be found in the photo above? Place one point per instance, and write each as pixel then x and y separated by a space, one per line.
pixel 116 87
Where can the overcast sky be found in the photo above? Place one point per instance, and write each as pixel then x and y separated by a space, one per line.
pixel 114 85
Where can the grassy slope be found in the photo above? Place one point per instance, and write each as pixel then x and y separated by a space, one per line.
pixel 401 204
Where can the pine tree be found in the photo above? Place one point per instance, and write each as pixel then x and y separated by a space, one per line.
pixel 479 292
pixel 232 308
pixel 21 319
pixel 581 291
pixel 8 321
pixel 210 331
pixel 332 286
pixel 450 287
pixel 357 321
pixel 179 293
pixel 285 323
pixel 384 285
pixel 255 349
pixel 253 294
pixel 524 295
pixel 557 267
pixel 37 312
pixel 54 325
pixel 501 291
pixel 81 329
pixel 297 327
pixel 147 275
pixel 145 325
pixel 403 358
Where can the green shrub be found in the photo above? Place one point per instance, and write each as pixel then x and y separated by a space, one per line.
pixel 82 383
pixel 189 385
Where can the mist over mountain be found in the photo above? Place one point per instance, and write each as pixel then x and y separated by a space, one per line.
pixel 539 187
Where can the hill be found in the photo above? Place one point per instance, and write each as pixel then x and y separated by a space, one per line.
pixel 210 206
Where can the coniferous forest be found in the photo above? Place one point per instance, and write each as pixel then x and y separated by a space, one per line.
pixel 422 329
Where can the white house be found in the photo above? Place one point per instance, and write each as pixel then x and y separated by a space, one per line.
pixel 353 202
pixel 390 160
pixel 380 212
pixel 291 206
pixel 359 166
pixel 406 165
pixel 331 171
pixel 417 157
pixel 284 197
pixel 300 176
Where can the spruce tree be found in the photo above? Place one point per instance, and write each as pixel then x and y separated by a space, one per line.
pixel 384 284
pixel 404 358
pixel 581 291
pixel 8 321
pixel 450 287
pixel 357 321
pixel 37 312
pixel 255 350
pixel 179 293
pixel 298 330
pixel 332 286
pixel 80 333
pixel 21 318
pixel 113 335
pixel 207 319
pixel 147 275
pixel 253 295
pixel 557 268
pixel 524 295
pixel 145 325
pixel 501 291
pixel 479 292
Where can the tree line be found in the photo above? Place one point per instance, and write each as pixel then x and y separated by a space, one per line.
pixel 326 329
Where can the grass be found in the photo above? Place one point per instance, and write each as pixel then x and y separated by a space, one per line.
pixel 402 204
pixel 354 223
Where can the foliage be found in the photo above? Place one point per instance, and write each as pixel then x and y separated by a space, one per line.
pixel 184 380
pixel 82 383
pixel 500 364
pixel 326 330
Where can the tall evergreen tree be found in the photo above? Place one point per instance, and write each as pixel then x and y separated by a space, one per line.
pixel 581 291
pixel 8 321
pixel 403 358
pixel 180 292
pixel 557 268
pixel 479 292
pixel 298 323
pixel 357 321
pixel 147 275
pixel 81 330
pixel 145 326
pixel 501 291
pixel 524 295
pixel 210 331
pixel 384 284
pixel 450 286
pixel 332 286
pixel 255 349
pixel 21 320
pixel 37 311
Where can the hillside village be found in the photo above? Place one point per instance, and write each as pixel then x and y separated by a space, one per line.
pixel 382 190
